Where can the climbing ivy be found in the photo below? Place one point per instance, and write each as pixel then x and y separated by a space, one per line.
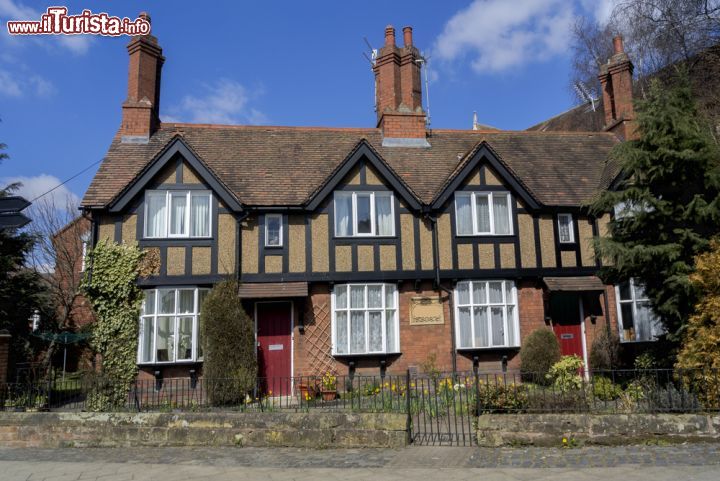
pixel 111 287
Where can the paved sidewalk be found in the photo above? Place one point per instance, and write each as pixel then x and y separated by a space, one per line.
pixel 641 463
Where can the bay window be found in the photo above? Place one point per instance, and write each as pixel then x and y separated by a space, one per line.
pixel 483 213
pixel 365 319
pixel 636 320
pixel 170 325
pixel 177 213
pixel 359 214
pixel 486 314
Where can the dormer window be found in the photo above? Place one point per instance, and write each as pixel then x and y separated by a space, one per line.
pixel 483 213
pixel 273 230
pixel 364 214
pixel 177 213
pixel 566 232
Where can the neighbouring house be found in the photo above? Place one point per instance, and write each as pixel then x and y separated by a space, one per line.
pixel 365 249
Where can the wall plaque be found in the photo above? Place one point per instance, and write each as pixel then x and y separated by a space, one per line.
pixel 426 311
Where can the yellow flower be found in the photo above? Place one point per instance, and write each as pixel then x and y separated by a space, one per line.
pixel 269 393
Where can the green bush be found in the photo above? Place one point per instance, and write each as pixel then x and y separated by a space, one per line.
pixel 605 390
pixel 565 374
pixel 539 352
pixel 605 351
pixel 228 340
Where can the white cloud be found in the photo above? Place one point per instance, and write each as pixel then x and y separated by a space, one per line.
pixel 224 102
pixel 499 35
pixel 33 187
pixel 19 85
pixel 13 10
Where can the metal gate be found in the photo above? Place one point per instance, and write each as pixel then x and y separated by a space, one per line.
pixel 442 410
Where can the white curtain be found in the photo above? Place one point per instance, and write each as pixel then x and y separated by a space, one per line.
pixel 463 214
pixel 390 330
pixel 511 326
pixel 341 297
pixel 389 295
pixel 375 331
pixel 357 297
pixel 200 215
pixel 341 332
pixel 463 293
pixel 496 289
pixel 156 215
pixel 482 208
pixel 498 327
pixel 343 213
pixel 178 204
pixel 147 330
pixel 375 297
pixel 185 328
pixel 464 323
pixel 357 331
pixel 384 219
pixel 501 214
pixel 479 293
pixel 480 326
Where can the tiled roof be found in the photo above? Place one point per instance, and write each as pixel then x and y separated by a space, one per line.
pixel 266 166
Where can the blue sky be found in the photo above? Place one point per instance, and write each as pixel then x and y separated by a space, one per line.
pixel 276 63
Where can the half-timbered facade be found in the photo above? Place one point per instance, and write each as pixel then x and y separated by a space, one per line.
pixel 360 248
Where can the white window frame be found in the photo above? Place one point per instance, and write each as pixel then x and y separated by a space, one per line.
pixel 348 310
pixel 491 207
pixel 168 208
pixel 85 241
pixel 373 214
pixel 175 329
pixel 509 343
pixel 634 302
pixel 280 218
pixel 571 226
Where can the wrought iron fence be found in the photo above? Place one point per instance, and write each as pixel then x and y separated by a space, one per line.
pixel 443 402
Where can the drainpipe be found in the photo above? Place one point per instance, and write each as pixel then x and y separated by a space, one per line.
pixel 440 287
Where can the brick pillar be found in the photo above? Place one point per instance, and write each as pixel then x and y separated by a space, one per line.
pixel 4 355
pixel 616 81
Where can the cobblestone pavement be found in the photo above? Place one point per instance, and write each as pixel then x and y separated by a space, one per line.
pixel 642 463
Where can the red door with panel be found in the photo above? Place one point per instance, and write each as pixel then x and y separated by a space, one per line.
pixel 274 327
pixel 565 315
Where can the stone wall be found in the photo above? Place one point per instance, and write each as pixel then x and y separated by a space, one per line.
pixel 311 430
pixel 609 429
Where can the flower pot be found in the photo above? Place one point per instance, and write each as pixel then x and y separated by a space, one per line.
pixel 306 392
pixel 329 395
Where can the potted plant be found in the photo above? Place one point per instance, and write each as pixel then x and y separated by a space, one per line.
pixel 329 387
pixel 308 389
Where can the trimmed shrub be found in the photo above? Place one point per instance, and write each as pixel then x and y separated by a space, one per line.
pixel 228 340
pixel 605 351
pixel 539 352
pixel 605 390
pixel 565 374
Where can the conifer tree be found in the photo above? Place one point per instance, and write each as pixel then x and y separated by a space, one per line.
pixel 666 202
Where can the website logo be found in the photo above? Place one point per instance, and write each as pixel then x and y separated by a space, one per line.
pixel 56 21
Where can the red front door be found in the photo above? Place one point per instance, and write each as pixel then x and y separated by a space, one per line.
pixel 565 314
pixel 274 321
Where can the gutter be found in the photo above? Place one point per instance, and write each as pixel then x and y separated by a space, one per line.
pixel 441 288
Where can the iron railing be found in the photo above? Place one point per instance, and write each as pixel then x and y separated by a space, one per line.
pixel 453 397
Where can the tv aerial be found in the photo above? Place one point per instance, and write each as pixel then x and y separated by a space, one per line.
pixel 583 92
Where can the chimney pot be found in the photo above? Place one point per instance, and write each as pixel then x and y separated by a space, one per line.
pixel 145 16
pixel 407 36
pixel 389 36
pixel 618 44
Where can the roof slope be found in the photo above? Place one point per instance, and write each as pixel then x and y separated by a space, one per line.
pixel 266 166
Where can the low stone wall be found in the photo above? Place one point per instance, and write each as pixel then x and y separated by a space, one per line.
pixel 609 429
pixel 316 430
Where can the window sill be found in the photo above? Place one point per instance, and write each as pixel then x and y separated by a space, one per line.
pixel 470 236
pixel 488 349
pixel 367 355
pixel 168 363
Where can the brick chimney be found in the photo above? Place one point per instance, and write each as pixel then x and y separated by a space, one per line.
pixel 400 115
pixel 140 112
pixel 617 91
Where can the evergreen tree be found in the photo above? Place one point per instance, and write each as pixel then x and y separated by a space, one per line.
pixel 21 290
pixel 667 198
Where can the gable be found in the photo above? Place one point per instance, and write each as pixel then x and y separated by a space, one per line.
pixel 484 169
pixel 363 167
pixel 175 164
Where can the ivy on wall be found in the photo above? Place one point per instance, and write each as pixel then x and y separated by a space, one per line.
pixel 111 287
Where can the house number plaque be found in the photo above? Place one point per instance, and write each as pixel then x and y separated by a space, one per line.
pixel 426 311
